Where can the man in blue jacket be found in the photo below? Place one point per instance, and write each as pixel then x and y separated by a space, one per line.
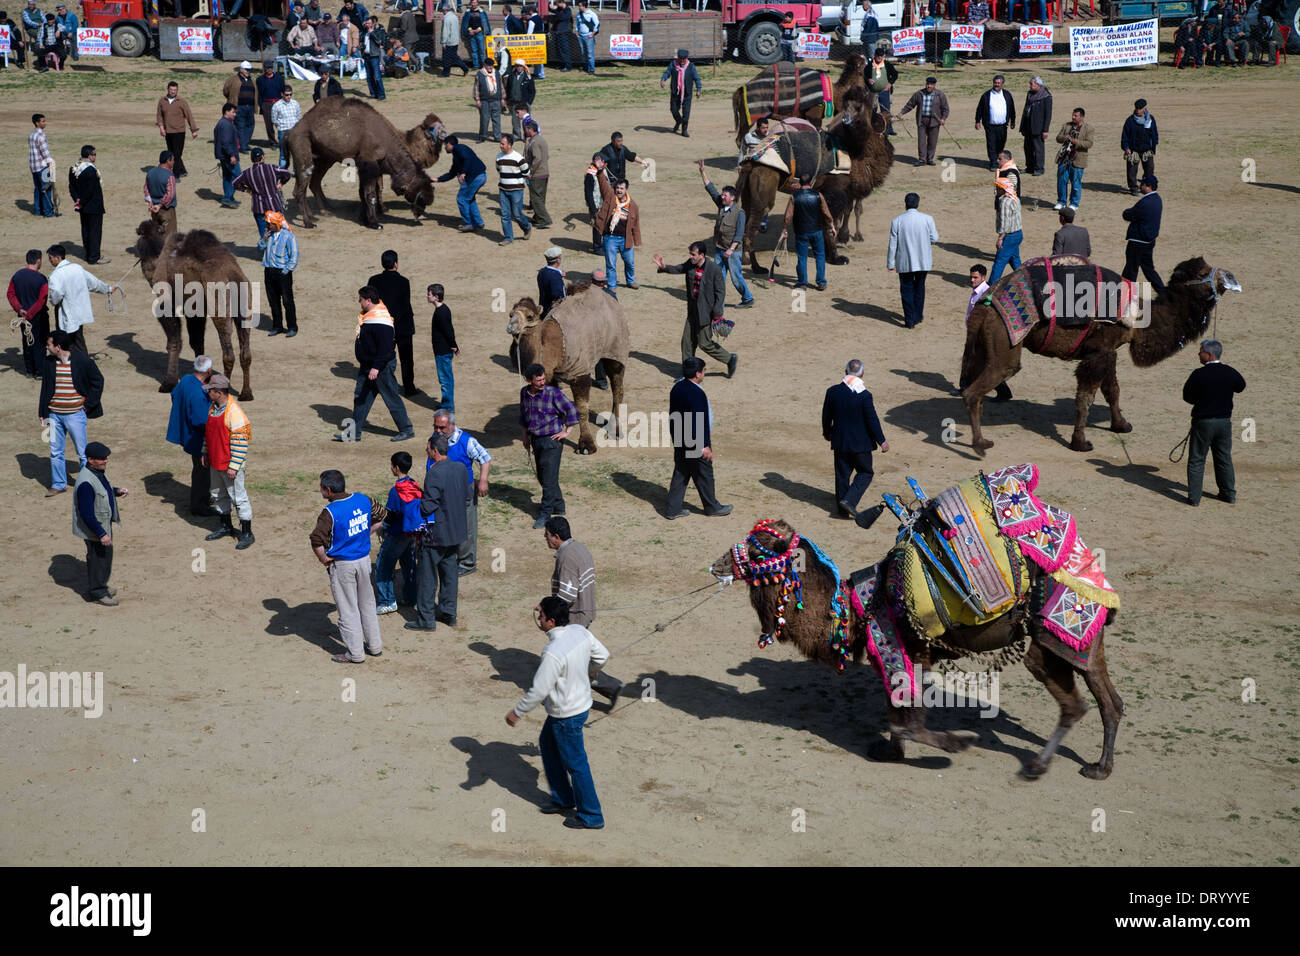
pixel 850 424
pixel 1143 219
pixel 690 419
pixel 1138 140
pixel 189 419
pixel 469 170
pixel 446 489
pixel 685 83
pixel 225 146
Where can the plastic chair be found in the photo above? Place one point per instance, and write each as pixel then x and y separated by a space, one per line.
pixel 419 62
pixel 1280 55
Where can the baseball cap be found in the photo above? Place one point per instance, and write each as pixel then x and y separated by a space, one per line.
pixel 217 381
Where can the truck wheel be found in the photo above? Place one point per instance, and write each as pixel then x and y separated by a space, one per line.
pixel 128 41
pixel 763 44
pixel 1291 18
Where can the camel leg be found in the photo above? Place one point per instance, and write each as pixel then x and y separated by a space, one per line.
pixel 227 347
pixel 1110 389
pixel 245 361
pixel 582 401
pixel 907 722
pixel 1057 676
pixel 1089 375
pixel 301 182
pixel 833 257
pixel 172 328
pixel 857 220
pixel 614 370
pixel 1098 680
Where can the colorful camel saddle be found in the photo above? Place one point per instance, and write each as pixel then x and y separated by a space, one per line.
pixel 1066 292
pixel 782 90
pixel 796 151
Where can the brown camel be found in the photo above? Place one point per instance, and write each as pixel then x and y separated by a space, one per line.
pixel 866 175
pixel 806 626
pixel 779 91
pixel 343 127
pixel 1176 317
pixel 193 274
pixel 587 326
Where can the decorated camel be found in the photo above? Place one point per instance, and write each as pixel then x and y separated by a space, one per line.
pixel 986 570
pixel 1092 315
pixel 193 274
pixel 343 127
pixel 586 327
pixel 782 90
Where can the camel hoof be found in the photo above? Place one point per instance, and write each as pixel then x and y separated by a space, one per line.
pixel 1034 769
pixel 885 751
pixel 840 261
pixel 245 396
pixel 1080 444
pixel 952 744
pixel 1095 771
pixel 857 237
pixel 166 387
pixel 1122 427
pixel 586 448
pixel 982 445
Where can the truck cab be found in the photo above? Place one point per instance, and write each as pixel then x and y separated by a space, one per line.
pixel 844 20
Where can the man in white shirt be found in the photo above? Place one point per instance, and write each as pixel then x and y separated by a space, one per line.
pixel 563 685
pixel 70 288
pixel 997 111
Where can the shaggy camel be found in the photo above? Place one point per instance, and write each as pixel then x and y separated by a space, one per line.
pixel 342 127
pixel 587 326
pixel 1176 317
pixel 806 626
pixel 778 92
pixel 866 174
pixel 192 273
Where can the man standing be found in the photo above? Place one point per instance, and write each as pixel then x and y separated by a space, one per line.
pixel 464 448
pixel 1007 221
pixel 376 368
pixel 573 581
pixel 1143 219
pixel 87 194
pixel 160 192
pixel 728 235
pixel 617 156
pixel 473 29
pixel 445 348
pixel 1138 140
pixel 270 85
pixel 1035 123
pixel 591 193
pixel 279 260
pixel 561 18
pixel 71 392
pixel 450 38
pixel 588 26
pixel 979 288
pixel 225 147
pixel 1071 240
pixel 341 542
pixel 881 77
pixel 285 115
pixel 535 25
pixel 39 160
pixel 489 98
pixel 850 424
pixel 446 490
pixel 1075 138
pixel 690 420
pixel 619 222
pixel 684 84
pixel 550 281
pixel 910 238
pixel 538 155
pixel 469 170
pixel 997 111
pixel 27 295
pixel 33 20
pixel 520 91
pixel 870 31
pixel 67 24
pixel 172 115
pixel 706 293
pixel 563 686
pixel 512 173
pixel 69 296
pixel 263 181
pixel 240 89
pixel 187 426
pixel 93 515
pixel 1209 391
pixel 546 416
pixel 226 437
pixel 808 214
pixel 395 293
pixel 931 107
pixel 373 43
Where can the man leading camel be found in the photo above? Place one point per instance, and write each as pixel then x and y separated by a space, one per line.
pixel 931 107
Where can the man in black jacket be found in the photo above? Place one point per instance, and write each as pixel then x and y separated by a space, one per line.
pixel 690 420
pixel 706 294
pixel 88 199
pixel 520 91
pixel 446 489
pixel 997 111
pixel 395 292
pixel 71 390
pixel 376 367
pixel 850 424
pixel 1035 124
pixel 1143 219
pixel 1209 391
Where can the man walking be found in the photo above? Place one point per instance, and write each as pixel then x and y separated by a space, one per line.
pixel 395 293
pixel 931 107
pixel 619 223
pixel 464 448
pixel 241 90
pixel 226 437
pixel 469 170
pixel 520 91
pixel 808 214
pixel 225 147
pixel 573 580
pixel 270 86
pixel 71 392
pixel 1007 221
pixel 617 156
pixel 512 173
pixel 187 426
pixel 706 293
pixel 997 112
pixel 1035 124
pixel 538 155
pixel 728 235
pixel 69 295
pixel 546 417
pixel 562 685
pixel 445 492
pixel 41 165
pixel 850 424
pixel 27 294
pixel 684 83
pixel 263 181
pixel 445 348
pixel 93 516
pixel 910 254
pixel 1071 240
pixel 1075 138
pixel 87 194
pixel 489 98
pixel 341 542
pixel 279 260
pixel 160 192
pixel 285 115
pixel 1209 391
pixel 172 115
pixel 1143 219
pixel 376 369
pixel 450 38
pixel 690 420
pixel 1138 140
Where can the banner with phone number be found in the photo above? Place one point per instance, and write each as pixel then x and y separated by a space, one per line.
pixel 967 37
pixel 94 41
pixel 909 41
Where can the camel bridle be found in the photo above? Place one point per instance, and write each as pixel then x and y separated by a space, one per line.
pixel 777 568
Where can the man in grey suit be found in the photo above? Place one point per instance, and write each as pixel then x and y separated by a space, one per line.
pixel 1071 240
pixel 706 294
pixel 910 236
pixel 446 489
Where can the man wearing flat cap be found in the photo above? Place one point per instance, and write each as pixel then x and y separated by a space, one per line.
pixel 684 83
pixel 1138 140
pixel 1143 219
pixel 931 107
pixel 94 513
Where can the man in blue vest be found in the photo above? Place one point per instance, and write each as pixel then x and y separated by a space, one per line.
pixel 187 426
pixel 93 516
pixel 465 448
pixel 341 540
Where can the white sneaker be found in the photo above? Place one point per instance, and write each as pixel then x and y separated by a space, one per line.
pixel 1074 208
pixel 1059 205
pixel 386 609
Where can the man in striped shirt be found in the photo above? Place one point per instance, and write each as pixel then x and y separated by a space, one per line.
pixel 278 262
pixel 512 169
pixel 263 182
pixel 285 115
pixel 38 157
pixel 70 393
pixel 225 452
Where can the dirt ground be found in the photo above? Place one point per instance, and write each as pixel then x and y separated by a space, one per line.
pixel 220 694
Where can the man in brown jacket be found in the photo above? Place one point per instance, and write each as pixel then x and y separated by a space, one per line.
pixel 931 107
pixel 538 155
pixel 241 90
pixel 172 115
pixel 1075 138
pixel 619 224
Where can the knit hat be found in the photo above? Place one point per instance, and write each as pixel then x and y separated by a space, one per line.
pixel 1140 104
pixel 97 449
pixel 930 80
pixel 682 54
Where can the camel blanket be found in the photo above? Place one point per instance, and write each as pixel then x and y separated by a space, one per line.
pixel 884 646
pixel 783 90
pixel 795 151
pixel 594 327
pixel 1066 292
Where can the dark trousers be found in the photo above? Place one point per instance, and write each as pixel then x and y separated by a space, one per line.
pixel 279 293
pixel 846 463
pixel 99 567
pixel 450 58
pixel 34 354
pixel 912 287
pixel 927 142
pixel 1138 255
pixel 1146 166
pixel 92 232
pixel 437 579
pixel 79 342
pixel 995 140
pixel 681 107
pixel 270 126
pixel 597 248
pixel 686 470
pixel 1035 150
pixel 385 386
pixel 200 483
pixel 1211 435
pixel 546 456
pixel 406 358
pixel 176 143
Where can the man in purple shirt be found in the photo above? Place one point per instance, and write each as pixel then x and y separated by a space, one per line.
pixel 263 181
pixel 546 417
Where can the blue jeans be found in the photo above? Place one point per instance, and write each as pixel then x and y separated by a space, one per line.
pixel 284 157
pixel 564 759
pixel 261 230
pixel 588 47
pixel 616 247
pixel 228 175
pixel 477 46
pixel 446 382
pixel 1010 252
pixel 466 203
pixel 42 204
pixel 512 211
pixel 396 546
pixel 731 264
pixel 60 427
pixel 1069 177
pixel 375 76
pixel 802 241
pixel 245 121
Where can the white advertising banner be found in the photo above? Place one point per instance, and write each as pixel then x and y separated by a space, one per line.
pixel 967 37
pixel 909 41
pixel 626 46
pixel 194 40
pixel 1036 38
pixel 1109 48
pixel 94 41
pixel 814 46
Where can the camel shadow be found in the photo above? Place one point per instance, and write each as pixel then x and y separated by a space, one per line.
pixel 652 494
pixel 932 380
pixel 308 621
pixel 68 572
pixel 934 418
pixel 501 430
pixel 572 244
pixel 150 364
pixel 203 192
pixel 512 664
pixel 164 486
pixel 868 310
pixel 13 360
pixel 670 368
pixel 504 764
pixel 798 491
pixel 505 363
pixel 1144 476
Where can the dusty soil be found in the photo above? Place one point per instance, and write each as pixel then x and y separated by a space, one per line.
pixel 220 692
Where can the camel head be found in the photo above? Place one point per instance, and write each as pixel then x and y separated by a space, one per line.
pixel 1181 314
pixel 150 238
pixel 853 123
pixel 855 69
pixel 419 193
pixel 1203 279
pixel 425 141
pixel 525 316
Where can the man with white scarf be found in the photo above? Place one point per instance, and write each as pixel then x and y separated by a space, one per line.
pixel 850 424
pixel 1138 140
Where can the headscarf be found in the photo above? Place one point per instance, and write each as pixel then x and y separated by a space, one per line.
pixel 1007 185
pixel 277 220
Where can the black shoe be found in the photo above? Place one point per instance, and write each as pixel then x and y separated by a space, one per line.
pixel 603 386
pixel 204 512
pixel 557 809
pixel 677 127
pixel 746 304
pixel 416 626
pixel 680 514
pixel 919 162
pixel 573 823
pixel 929 162
pixel 820 287
pixel 344 438
pixel 410 392
pixel 276 332
pixel 541 520
pixel 731 364
pixel 246 538
pixel 846 509
pixel 291 333
pixel 721 512
pixel 374 653
pixel 404 436
pixel 227 529
pixel 445 619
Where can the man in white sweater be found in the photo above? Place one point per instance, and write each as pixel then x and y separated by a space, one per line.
pixel 70 288
pixel 562 685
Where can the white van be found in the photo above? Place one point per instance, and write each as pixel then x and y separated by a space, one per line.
pixel 844 20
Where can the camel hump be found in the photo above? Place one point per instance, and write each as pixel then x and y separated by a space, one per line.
pixel 594 327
